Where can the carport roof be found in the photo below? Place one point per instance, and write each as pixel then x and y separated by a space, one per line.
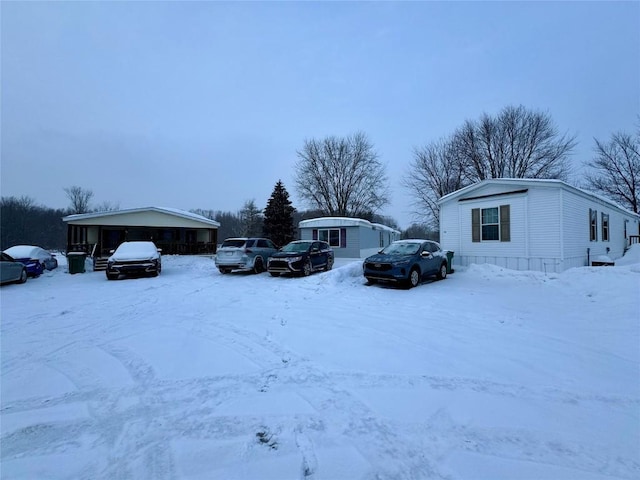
pixel 168 211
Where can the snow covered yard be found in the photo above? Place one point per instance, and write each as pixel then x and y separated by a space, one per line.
pixel 489 374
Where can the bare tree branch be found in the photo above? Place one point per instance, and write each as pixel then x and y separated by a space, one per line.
pixel 341 176
pixel 517 143
pixel 79 198
pixel 615 170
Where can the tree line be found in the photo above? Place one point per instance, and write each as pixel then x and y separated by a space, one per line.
pixel 344 176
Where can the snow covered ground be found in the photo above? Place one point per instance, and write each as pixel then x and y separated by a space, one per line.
pixel 489 374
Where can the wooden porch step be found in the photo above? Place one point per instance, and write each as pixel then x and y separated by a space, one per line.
pixel 100 264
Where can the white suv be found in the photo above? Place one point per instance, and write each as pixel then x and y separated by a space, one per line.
pixel 246 254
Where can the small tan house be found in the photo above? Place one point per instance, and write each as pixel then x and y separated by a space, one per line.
pixel 175 231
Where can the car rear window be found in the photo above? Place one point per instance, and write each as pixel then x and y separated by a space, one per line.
pixel 234 242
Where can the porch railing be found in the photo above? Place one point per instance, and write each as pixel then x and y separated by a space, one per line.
pixel 168 248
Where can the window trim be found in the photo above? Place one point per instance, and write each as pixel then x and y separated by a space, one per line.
pixel 593 225
pixel 503 224
pixel 328 238
pixel 495 224
pixel 604 219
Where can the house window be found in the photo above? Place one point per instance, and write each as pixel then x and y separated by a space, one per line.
pixel 605 227
pixel 382 239
pixel 330 235
pixel 491 224
pixel 593 225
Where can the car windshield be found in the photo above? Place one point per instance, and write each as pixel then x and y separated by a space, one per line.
pixel 402 249
pixel 234 242
pixel 136 248
pixel 296 247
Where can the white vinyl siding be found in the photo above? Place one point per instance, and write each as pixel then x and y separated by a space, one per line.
pixel 359 238
pixel 550 225
pixel 544 218
pixel 143 219
pixel 511 254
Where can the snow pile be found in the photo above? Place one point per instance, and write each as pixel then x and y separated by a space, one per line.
pixel 490 373
pixel 350 272
pixel 631 257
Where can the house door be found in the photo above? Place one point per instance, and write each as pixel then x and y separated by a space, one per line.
pixel 111 238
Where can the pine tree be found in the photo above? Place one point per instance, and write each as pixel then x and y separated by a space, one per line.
pixel 278 217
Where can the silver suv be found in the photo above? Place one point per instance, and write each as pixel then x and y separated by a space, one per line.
pixel 245 254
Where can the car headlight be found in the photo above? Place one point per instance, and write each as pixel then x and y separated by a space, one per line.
pixel 294 259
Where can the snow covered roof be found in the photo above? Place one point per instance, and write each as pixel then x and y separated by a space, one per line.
pixel 527 182
pixel 169 211
pixel 335 222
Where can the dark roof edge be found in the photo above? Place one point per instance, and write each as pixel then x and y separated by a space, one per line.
pixel 524 190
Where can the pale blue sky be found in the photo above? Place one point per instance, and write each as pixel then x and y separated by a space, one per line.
pixel 204 104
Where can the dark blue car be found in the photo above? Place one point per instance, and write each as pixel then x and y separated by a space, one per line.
pixel 301 257
pixel 406 262
pixel 36 259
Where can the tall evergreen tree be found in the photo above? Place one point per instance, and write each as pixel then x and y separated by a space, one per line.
pixel 278 217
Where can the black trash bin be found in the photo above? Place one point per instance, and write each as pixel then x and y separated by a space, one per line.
pixel 449 261
pixel 75 261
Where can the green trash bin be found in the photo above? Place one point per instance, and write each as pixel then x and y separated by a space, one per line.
pixel 75 261
pixel 449 261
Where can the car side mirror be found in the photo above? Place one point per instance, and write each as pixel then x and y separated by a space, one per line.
pixel 111 251
pixel 425 254
pixel 159 250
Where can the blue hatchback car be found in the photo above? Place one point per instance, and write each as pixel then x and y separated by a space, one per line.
pixel 406 262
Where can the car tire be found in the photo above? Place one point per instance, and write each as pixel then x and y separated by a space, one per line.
pixel 371 281
pixel 224 271
pixel 306 269
pixel 274 274
pixel 329 265
pixel 442 273
pixel 23 276
pixel 414 278
pixel 112 276
pixel 258 265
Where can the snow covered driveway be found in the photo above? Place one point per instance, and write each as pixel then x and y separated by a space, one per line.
pixel 490 374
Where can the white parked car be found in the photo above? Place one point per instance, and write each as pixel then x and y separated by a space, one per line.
pixel 245 254
pixel 134 258
pixel 12 271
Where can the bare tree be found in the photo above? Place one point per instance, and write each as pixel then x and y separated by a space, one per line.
pixel 107 207
pixel 436 170
pixel 79 198
pixel 341 176
pixel 616 169
pixel 517 143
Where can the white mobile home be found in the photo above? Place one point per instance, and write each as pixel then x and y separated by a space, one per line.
pixel 349 237
pixel 531 224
